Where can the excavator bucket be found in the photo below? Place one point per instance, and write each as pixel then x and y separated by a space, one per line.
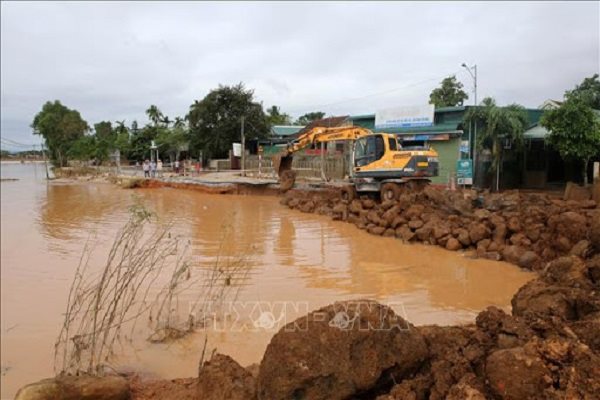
pixel 283 166
pixel 282 163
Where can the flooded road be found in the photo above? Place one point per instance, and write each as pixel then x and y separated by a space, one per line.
pixel 296 259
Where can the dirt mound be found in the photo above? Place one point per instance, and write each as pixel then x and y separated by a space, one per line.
pixel 522 228
pixel 77 388
pixel 221 378
pixel 347 348
pixel 172 389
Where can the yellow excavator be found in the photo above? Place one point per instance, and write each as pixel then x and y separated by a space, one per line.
pixel 379 163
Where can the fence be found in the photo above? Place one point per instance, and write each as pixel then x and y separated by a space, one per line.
pixel 306 166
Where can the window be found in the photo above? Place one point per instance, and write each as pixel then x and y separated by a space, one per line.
pixel 393 144
pixel 368 149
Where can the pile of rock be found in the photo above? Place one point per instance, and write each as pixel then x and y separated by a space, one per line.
pixel 523 229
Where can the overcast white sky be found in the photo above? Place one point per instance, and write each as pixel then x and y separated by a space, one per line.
pixel 112 60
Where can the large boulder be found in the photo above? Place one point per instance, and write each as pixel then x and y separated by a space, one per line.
pixel 343 349
pixel 478 232
pixel 455 352
pixel 570 224
pixel 540 299
pixel 567 271
pixel 221 378
pixel 76 388
pixel 517 373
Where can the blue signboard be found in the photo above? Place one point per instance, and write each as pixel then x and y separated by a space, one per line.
pixel 464 172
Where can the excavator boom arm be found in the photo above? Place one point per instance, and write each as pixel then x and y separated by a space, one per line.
pixel 322 134
pixel 282 162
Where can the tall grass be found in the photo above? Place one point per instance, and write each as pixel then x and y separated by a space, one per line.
pixel 147 270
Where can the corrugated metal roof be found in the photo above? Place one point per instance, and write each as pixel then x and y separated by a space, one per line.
pixel 285 130
pixel 536 132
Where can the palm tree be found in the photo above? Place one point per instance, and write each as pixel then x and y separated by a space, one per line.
pixel 498 124
pixel 165 120
pixel 120 127
pixel 154 114
pixel 179 122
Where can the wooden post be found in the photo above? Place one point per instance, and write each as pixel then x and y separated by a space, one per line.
pixel 243 158
pixel 323 177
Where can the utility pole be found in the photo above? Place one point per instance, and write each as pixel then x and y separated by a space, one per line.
pixel 473 72
pixel 45 161
pixel 243 149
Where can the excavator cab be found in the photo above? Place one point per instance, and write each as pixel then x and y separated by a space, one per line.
pixel 368 149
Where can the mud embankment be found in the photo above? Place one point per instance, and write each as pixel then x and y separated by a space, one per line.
pixel 525 229
pixel 202 187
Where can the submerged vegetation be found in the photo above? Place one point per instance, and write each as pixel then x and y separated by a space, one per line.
pixel 147 272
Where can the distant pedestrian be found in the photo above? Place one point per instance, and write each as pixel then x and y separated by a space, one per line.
pixel 146 168
pixel 153 169
pixel 159 167
pixel 177 167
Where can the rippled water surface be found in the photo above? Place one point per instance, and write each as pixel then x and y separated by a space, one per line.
pixel 291 258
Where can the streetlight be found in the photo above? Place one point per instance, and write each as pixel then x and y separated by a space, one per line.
pixel 473 72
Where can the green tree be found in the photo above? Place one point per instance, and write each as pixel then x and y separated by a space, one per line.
pixel 121 140
pixel 449 94
pixel 310 117
pixel 574 131
pixel 172 141
pixel 179 122
pixel 60 127
pixel 83 149
pixel 276 117
pixel 588 92
pixel 140 142
pixel 215 121
pixel 103 129
pixel 154 114
pixel 105 141
pixel 497 124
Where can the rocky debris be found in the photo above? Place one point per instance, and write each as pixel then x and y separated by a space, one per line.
pixel 565 289
pixel 167 389
pixel 286 180
pixel 517 373
pixel 416 388
pixel 453 244
pixel 345 349
pixel 548 348
pixel 575 192
pixel 221 378
pixel 595 231
pixel 525 229
pixel 77 388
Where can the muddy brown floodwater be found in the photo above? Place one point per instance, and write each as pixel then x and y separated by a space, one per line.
pixel 296 263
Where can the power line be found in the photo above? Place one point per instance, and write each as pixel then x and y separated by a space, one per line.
pixel 13 143
pixel 375 94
